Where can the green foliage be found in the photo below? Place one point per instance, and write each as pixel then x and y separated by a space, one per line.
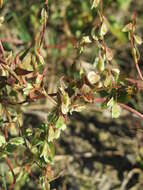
pixel 23 81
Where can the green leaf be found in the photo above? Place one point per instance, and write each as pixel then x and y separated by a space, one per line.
pixel 44 15
pixel 48 152
pixel 110 103
pixel 28 88
pixel 104 29
pixel 99 64
pixel 116 110
pixel 65 101
pixel 51 135
pixel 44 152
pixel 1 20
pixel 138 39
pixel 60 124
pixel 107 81
pixel 95 4
pixel 57 133
pixel 27 62
pixel 41 59
pixel 86 39
pixel 51 150
pixel 2 140
pixel 16 141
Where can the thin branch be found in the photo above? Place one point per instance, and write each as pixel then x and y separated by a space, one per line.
pixel 12 41
pixel 11 169
pixel 139 72
pixel 133 47
pixel 139 83
pixel 128 108
pixel 99 100
pixel 1 48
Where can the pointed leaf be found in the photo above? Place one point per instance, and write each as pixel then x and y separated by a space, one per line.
pixel 116 110
pixel 1 20
pixel 138 39
pixel 107 81
pixel 110 103
pixel 51 135
pixel 48 152
pixel 128 27
pixel 109 54
pixel 104 29
pixel 2 140
pixel 95 4
pixel 16 141
pixel 65 101
pixel 86 39
pixel 60 124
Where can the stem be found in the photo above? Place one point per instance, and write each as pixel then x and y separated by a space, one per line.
pixel 12 41
pixel 11 169
pixel 139 71
pixel 138 83
pixel 1 48
pixel 99 100
pixel 128 108
pixel 134 47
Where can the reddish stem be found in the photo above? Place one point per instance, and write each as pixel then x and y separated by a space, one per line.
pixel 99 100
pixel 1 48
pixel 13 41
pixel 11 169
pixel 5 133
pixel 139 71
pixel 128 108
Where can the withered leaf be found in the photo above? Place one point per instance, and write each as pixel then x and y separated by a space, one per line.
pixel 11 80
pixel 128 27
pixel 109 54
pixel 20 71
pixel 36 94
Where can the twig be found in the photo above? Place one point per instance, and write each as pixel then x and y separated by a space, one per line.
pixel 133 47
pixel 99 100
pixel 139 83
pixel 139 72
pixel 11 169
pixel 12 41
pixel 1 48
pixel 128 108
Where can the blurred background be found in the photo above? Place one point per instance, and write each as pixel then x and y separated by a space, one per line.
pixel 95 152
